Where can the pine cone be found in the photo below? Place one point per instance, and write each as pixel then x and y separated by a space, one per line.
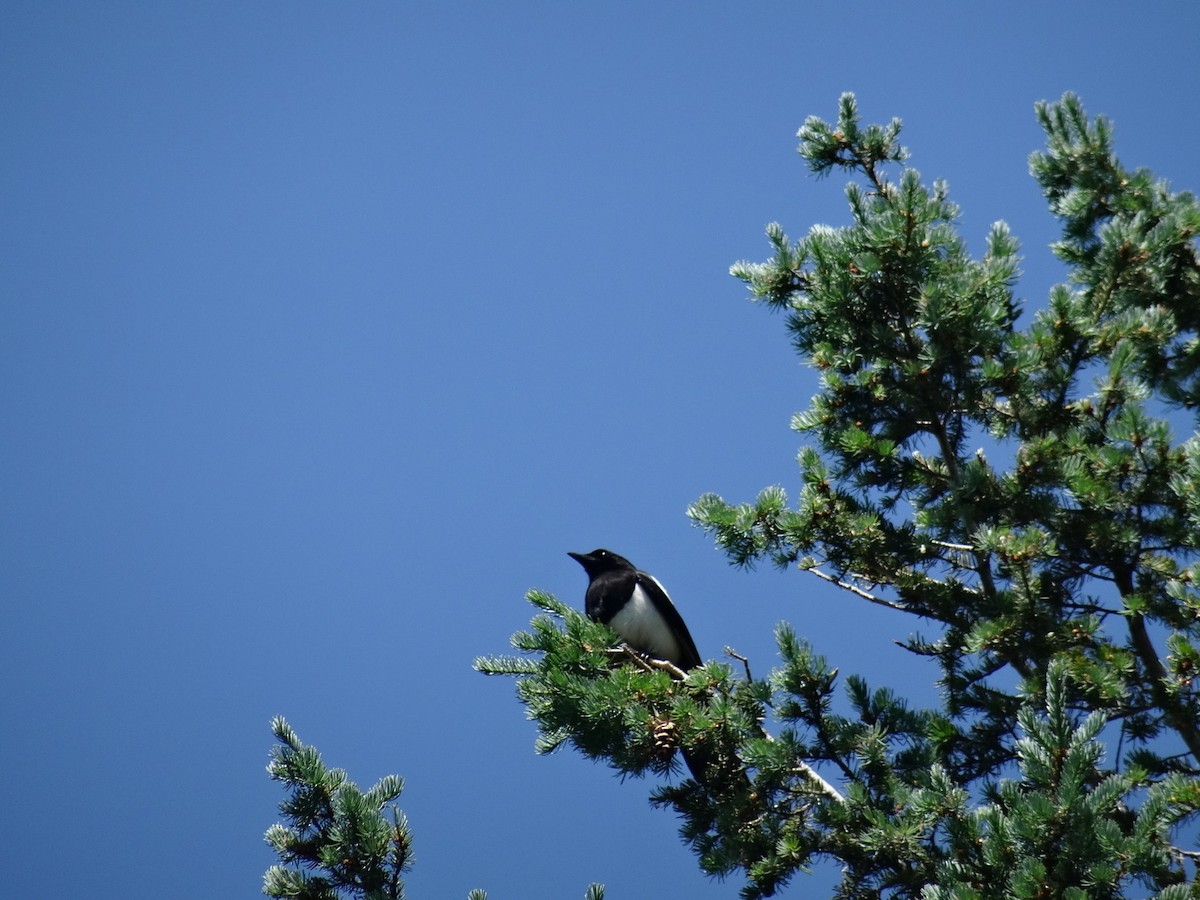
pixel 666 737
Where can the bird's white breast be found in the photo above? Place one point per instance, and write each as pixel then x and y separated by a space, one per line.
pixel 642 628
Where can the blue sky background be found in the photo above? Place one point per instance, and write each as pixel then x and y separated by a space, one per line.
pixel 329 328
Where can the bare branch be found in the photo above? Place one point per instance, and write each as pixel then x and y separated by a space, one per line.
pixel 649 663
pixel 803 768
pixel 729 651
pixel 855 589
pixel 962 548
pixel 809 772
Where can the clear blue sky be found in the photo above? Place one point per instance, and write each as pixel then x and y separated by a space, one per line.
pixel 329 328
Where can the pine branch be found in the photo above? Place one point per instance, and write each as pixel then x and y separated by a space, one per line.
pixel 1157 677
pixel 854 589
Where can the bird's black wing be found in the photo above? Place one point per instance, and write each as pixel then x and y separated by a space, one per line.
pixel 666 609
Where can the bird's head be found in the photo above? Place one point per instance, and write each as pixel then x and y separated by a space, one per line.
pixel 600 560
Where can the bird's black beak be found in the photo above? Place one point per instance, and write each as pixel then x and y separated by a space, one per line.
pixel 589 561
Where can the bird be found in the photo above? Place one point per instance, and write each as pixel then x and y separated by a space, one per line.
pixel 635 605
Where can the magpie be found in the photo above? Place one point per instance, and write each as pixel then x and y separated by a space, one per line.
pixel 634 605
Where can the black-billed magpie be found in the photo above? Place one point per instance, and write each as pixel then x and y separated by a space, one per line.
pixel 634 605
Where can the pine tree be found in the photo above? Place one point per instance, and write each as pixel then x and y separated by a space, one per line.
pixel 1009 479
pixel 337 831
pixel 343 835
pixel 334 828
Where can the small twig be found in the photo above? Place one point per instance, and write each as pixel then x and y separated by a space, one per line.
pixel 963 548
pixel 729 651
pixel 649 663
pixel 855 589
pixel 807 770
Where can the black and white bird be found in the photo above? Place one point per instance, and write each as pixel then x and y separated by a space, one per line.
pixel 634 605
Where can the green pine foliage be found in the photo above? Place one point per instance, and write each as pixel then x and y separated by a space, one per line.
pixel 339 843
pixel 1011 480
